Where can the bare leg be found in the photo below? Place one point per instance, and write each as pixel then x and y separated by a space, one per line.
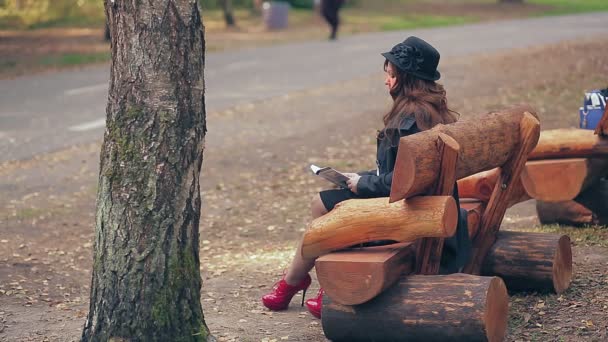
pixel 299 266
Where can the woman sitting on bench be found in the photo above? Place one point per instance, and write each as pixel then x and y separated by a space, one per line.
pixel 419 103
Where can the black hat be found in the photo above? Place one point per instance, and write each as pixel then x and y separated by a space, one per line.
pixel 416 57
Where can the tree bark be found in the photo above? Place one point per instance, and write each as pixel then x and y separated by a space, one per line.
pixel 569 143
pixel 485 142
pixel 146 273
pixel 356 275
pixel 456 307
pixel 364 220
pixel 531 261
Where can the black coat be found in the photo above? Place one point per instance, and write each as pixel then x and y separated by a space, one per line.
pixel 378 183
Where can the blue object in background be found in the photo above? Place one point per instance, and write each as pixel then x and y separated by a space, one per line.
pixel 592 110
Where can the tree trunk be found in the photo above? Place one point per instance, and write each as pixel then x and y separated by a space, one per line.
pixel 456 307
pixel 146 273
pixel 485 142
pixel 364 220
pixel 228 13
pixel 569 143
pixel 531 261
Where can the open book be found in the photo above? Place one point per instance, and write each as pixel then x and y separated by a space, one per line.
pixel 331 175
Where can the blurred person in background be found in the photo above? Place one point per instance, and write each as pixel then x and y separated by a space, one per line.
pixel 329 10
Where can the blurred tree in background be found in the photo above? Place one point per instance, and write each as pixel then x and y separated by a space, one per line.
pixel 29 14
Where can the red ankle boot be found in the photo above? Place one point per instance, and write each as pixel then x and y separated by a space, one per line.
pixel 315 305
pixel 281 294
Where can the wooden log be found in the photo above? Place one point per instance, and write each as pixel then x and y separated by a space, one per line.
pixel 356 275
pixel 456 307
pixel 531 261
pixel 486 142
pixel 364 220
pixel 557 180
pixel 428 253
pixel 569 213
pixel 474 210
pixel 548 180
pixel 588 208
pixel 503 192
pixel 569 143
pixel 479 185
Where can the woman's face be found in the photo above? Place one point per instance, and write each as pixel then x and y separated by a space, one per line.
pixel 391 76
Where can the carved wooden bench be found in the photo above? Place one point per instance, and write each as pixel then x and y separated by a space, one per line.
pixel 397 287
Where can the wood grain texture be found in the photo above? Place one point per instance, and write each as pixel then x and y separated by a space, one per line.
pixel 356 275
pixel 587 208
pixel 503 191
pixel 486 142
pixel 456 307
pixel 475 209
pixel 364 220
pixel 531 261
pixel 428 251
pixel 557 180
pixel 569 143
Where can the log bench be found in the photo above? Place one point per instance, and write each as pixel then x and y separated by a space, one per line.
pixel 379 286
pixel 497 164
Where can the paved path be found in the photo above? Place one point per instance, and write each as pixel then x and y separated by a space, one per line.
pixel 43 113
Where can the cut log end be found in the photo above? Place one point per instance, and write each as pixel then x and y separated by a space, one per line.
pixel 555 180
pixel 403 167
pixel 531 261
pixel 450 219
pixel 497 308
pixel 562 265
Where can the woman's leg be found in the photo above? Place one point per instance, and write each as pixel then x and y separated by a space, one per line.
pixel 300 267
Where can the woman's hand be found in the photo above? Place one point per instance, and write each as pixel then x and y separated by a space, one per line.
pixel 352 181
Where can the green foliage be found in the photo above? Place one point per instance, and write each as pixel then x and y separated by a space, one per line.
pixel 19 14
pixel 301 3
pixel 415 21
pixel 572 6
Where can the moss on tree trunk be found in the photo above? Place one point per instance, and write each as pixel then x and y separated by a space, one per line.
pixel 146 279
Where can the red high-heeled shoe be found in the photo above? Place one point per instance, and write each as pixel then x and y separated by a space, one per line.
pixel 281 294
pixel 315 305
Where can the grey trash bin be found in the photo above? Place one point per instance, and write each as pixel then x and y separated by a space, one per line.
pixel 275 14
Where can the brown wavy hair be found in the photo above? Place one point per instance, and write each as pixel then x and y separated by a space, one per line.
pixel 426 100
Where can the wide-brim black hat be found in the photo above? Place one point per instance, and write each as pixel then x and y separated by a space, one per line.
pixel 416 57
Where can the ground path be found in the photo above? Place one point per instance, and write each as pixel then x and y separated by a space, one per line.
pixel 44 113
